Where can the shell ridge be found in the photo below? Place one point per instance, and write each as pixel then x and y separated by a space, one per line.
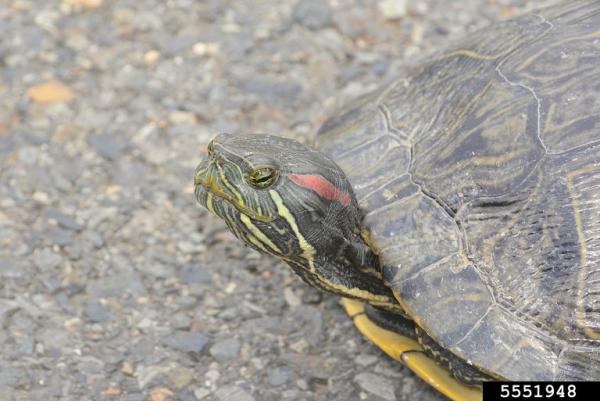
pixel 387 118
pixel 538 101
pixel 475 326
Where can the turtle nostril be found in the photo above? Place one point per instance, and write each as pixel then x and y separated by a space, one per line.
pixel 199 176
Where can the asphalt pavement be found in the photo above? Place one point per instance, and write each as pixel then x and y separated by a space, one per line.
pixel 114 283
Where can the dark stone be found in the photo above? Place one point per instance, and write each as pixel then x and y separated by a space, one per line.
pixel 233 393
pixel 55 338
pixel 279 376
pixel 74 289
pixel 24 346
pixel 52 284
pixel 187 342
pixel 312 296
pixel 380 67
pixel 6 144
pixel 54 352
pixel 93 238
pixel 63 220
pixel 46 259
pixel 71 168
pixel 271 90
pixel 186 395
pixel 91 365
pixel 59 236
pixel 107 146
pixel 11 376
pixel 306 320
pixel 34 138
pixel 7 308
pixel 175 45
pixel 117 285
pixel 313 14
pixel 194 273
pixel 225 350
pixel 10 268
pixel 95 312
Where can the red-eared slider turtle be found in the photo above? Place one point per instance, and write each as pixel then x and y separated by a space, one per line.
pixel 460 203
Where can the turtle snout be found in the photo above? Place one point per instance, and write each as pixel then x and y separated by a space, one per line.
pixel 198 177
pixel 202 170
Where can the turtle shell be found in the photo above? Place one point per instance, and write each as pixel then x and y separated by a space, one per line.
pixel 479 177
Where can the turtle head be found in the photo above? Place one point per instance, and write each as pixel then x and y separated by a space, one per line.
pixel 270 190
pixel 286 199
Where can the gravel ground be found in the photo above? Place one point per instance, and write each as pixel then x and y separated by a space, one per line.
pixel 114 284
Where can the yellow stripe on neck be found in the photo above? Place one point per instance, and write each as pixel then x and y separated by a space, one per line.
pixel 357 293
pixel 209 203
pixel 260 236
pixel 307 250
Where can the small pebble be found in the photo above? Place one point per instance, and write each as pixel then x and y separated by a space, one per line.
pixel 96 313
pixel 107 146
pixel 59 236
pixel 85 3
pixel 206 48
pixel 50 92
pixel 182 117
pixel 233 393
pixel 187 342
pixel 151 56
pixel 201 393
pixel 279 376
pixel 377 385
pixel 393 9
pixel 365 359
pixel 64 220
pixel 226 350
pixel 291 298
pixel 194 273
pixel 180 377
pixel 45 259
pixel 313 14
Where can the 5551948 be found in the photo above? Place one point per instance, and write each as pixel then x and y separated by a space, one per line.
pixel 555 391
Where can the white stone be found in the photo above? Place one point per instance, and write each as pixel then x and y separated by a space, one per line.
pixel 392 9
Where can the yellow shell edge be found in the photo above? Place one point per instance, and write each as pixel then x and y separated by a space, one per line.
pixel 410 352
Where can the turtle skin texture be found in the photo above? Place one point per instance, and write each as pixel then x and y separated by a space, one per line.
pixel 479 176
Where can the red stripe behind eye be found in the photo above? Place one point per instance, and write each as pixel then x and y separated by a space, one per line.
pixel 321 186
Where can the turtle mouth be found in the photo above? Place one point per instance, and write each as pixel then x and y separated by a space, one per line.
pixel 208 181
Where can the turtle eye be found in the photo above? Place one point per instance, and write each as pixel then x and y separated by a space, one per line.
pixel 261 177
